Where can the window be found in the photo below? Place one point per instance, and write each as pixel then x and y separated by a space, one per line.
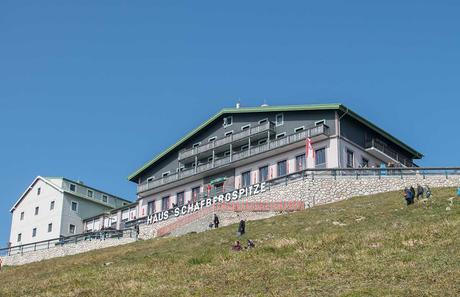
pixel 36 210
pixel 263 121
pixel 298 129
pixel 150 179
pixel 19 237
pixel 282 168
pixel 195 194
pixel 51 205
pixel 244 147
pixel 39 190
pixel 196 144
pixel 279 120
pixel 228 133
pixel 105 198
pixel 227 153
pixel 165 174
pixel 321 122
pixel 262 141
pixel 34 232
pixel 90 194
pixel 50 227
pixel 245 127
pixel 180 198
pixel 151 207
pixel 300 162
pixel 320 156
pixel 74 206
pixel 72 229
pixel 228 121
pixel 281 135
pixel 350 157
pixel 212 139
pixel 365 163
pixel 246 179
pixel 72 187
pixel 165 203
pixel 263 173
pixel 22 216
pixel 210 159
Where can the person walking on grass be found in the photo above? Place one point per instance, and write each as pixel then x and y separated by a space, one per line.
pixel 242 228
pixel 420 191
pixel 412 190
pixel 216 221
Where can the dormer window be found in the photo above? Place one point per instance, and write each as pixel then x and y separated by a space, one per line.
pixel 321 122
pixel 195 145
pixel 279 120
pixel 212 139
pixel 228 121
pixel 263 121
pixel 298 129
pixel 72 187
pixel 165 174
pixel 246 127
pixel 90 194
pixel 228 133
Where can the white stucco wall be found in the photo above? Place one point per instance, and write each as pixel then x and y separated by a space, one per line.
pixel 45 215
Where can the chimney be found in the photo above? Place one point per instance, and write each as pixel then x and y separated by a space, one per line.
pixel 238 104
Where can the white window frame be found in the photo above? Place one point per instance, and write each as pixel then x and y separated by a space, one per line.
pixel 106 198
pixel 19 238
pixel 52 204
pixel 346 157
pixel 298 129
pixel 280 135
pixel 317 123
pixel 211 139
pixel 263 121
pixel 210 159
pixel 226 153
pixel 21 216
pixel 74 229
pixel 36 210
pixel 195 145
pixel 246 127
pixel 34 232
pixel 88 191
pixel 282 119
pixel 39 191
pixel 150 179
pixel 70 187
pixel 50 229
pixel 228 133
pixel 244 147
pixel 166 173
pixel 325 155
pixel 71 203
pixel 262 141
pixel 227 125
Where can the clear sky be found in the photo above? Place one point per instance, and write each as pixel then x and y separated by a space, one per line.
pixel 92 90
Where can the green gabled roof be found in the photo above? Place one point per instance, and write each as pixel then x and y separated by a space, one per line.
pixel 332 106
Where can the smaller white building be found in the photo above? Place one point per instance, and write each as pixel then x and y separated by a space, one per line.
pixel 55 206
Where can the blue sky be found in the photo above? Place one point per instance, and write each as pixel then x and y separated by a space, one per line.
pixel 88 87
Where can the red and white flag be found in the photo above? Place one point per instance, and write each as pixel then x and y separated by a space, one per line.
pixel 308 148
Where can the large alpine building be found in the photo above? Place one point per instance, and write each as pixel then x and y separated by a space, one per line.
pixel 241 146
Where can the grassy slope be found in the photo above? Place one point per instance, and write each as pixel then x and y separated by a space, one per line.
pixel 384 249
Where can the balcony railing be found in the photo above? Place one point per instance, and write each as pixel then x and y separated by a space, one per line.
pixel 301 136
pixel 226 140
pixel 383 147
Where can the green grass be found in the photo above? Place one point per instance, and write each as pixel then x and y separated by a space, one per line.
pixel 366 246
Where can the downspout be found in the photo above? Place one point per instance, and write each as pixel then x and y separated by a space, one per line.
pixel 339 141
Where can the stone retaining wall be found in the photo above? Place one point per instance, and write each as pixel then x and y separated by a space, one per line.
pixel 65 250
pixel 319 190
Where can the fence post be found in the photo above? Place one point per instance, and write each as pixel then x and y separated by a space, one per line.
pixel 312 175
pixel 35 247
pixel 286 180
pixel 48 244
pixel 303 175
pixel 446 174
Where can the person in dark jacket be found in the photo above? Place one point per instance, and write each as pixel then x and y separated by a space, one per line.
pixel 412 190
pixel 419 191
pixel 242 227
pixel 216 221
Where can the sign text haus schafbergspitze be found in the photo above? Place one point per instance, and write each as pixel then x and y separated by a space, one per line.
pixel 195 206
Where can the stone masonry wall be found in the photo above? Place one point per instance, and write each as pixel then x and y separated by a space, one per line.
pixel 65 250
pixel 319 190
